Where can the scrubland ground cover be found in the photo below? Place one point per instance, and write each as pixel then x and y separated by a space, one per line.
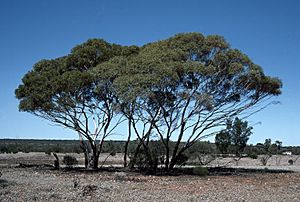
pixel 31 184
pixel 45 184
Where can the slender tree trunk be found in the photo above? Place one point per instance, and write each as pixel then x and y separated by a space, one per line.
pixel 92 161
pixel 167 161
pixel 175 152
pixel 56 162
pixel 175 159
pixel 95 158
pixel 127 143
pixel 136 152
pixel 143 141
pixel 85 149
pixel 86 159
pixel 148 140
pixel 91 155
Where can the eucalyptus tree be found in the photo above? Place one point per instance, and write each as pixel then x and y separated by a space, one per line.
pixel 67 92
pixel 181 88
pixel 188 86
pixel 236 134
pixel 223 141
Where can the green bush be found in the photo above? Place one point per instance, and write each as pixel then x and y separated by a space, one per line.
pixel 201 171
pixel 253 155
pixel 144 161
pixel 70 161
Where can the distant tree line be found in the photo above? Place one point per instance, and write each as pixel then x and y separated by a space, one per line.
pixel 71 146
pixel 48 146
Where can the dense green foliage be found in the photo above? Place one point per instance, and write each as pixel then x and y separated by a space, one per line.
pixel 223 141
pixel 236 134
pixel 66 91
pixel 185 86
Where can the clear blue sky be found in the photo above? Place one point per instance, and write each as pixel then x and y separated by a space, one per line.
pixel 267 31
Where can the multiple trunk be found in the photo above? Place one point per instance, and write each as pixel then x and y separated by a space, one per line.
pixel 91 154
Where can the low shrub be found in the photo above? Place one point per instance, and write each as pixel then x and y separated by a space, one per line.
pixel 264 159
pixel 253 155
pixel 70 161
pixel 88 190
pixel 201 171
pixel 120 176
pixel 145 162
pixel 291 162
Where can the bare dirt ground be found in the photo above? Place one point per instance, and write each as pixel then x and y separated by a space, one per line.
pixel 45 184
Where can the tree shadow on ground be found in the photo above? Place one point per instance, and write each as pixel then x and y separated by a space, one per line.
pixel 212 171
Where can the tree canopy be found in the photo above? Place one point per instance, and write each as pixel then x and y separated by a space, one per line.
pixel 188 84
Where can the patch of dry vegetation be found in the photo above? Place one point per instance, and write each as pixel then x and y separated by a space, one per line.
pixel 28 184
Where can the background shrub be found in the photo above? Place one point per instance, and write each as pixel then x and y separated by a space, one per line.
pixel 264 159
pixel 70 161
pixel 201 171
pixel 253 155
